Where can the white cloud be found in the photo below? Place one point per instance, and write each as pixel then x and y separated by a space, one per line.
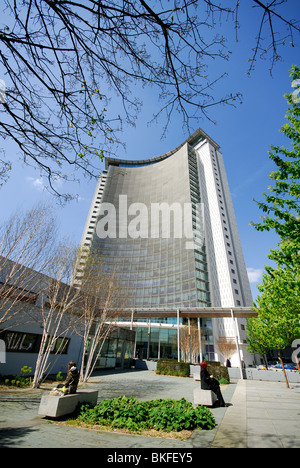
pixel 36 182
pixel 40 183
pixel 254 274
pixel 79 198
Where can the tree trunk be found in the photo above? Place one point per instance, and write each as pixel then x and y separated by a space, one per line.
pixel 282 365
pixel 298 365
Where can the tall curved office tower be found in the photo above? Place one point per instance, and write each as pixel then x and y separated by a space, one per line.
pixel 167 226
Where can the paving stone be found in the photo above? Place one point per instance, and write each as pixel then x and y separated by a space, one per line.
pixel 262 414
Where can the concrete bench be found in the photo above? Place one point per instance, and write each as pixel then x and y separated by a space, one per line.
pixel 204 397
pixel 197 376
pixel 57 406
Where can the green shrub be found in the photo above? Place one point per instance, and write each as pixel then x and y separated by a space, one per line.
pixel 173 367
pixel 59 376
pixel 25 371
pixel 219 372
pixel 162 415
pixel 21 380
pixel 223 381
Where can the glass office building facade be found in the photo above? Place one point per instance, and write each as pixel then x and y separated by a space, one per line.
pixel 154 222
pixel 155 268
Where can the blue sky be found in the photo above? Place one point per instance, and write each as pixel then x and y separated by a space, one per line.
pixel 244 133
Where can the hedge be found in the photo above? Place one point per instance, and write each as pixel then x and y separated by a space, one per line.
pixel 182 369
pixel 173 367
pixel 219 372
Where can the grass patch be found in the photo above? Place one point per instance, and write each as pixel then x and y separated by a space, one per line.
pixel 181 435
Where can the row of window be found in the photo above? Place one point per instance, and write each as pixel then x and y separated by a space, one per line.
pixel 172 264
pixel 167 301
pixel 92 221
pixel 203 294
pixel 22 342
pixel 137 257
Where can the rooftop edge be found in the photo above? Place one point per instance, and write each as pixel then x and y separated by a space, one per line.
pixel 192 139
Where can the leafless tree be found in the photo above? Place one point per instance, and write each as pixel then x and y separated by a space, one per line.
pixel 270 37
pixel 63 61
pixel 226 345
pixel 101 301
pixel 59 304
pixel 26 246
pixel 189 343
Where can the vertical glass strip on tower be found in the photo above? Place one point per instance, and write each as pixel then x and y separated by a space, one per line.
pixel 201 271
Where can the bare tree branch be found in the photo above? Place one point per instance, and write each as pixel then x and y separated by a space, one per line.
pixel 59 302
pixel 67 65
pixel 27 242
pixel 101 294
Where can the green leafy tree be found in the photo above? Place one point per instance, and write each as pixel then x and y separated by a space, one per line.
pixel 282 201
pixel 256 332
pixel 278 307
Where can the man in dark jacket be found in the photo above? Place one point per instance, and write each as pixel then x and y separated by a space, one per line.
pixel 208 382
pixel 72 379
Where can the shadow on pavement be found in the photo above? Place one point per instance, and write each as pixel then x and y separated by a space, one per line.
pixel 10 436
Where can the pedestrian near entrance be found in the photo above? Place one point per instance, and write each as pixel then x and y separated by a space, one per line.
pixel 208 382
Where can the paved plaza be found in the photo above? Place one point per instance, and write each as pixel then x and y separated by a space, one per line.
pixel 261 414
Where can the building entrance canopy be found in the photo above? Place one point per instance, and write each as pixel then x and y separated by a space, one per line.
pixel 187 312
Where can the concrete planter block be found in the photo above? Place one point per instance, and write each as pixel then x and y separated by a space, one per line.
pixel 89 396
pixel 204 397
pixel 57 406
